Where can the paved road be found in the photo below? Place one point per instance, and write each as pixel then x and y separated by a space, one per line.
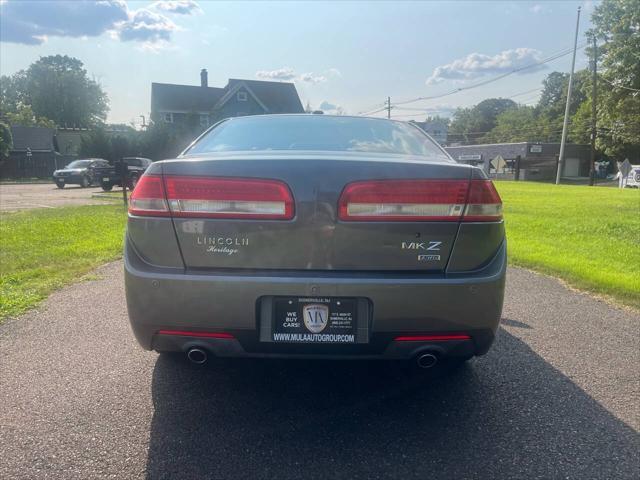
pixel 557 397
pixel 45 195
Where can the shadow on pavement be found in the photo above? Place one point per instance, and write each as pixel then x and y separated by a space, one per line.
pixel 507 415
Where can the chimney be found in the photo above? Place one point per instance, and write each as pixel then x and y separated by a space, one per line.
pixel 204 78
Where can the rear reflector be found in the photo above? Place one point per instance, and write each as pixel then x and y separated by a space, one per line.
pixel 185 333
pixel 148 198
pixel 403 200
pixel 420 201
pixel 228 198
pixel 431 338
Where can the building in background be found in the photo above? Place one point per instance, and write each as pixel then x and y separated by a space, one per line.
pixel 204 105
pixel 538 161
pixel 34 153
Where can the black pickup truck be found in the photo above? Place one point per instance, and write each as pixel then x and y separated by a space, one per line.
pixel 112 175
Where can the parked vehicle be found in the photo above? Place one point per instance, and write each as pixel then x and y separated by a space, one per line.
pixel 112 174
pixel 79 172
pixel 315 236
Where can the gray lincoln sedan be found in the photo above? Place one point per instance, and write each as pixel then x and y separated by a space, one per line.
pixel 314 236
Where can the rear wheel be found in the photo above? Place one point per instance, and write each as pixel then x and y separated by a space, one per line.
pixel 59 184
pixel 107 187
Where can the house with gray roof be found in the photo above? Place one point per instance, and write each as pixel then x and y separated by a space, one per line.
pixel 204 105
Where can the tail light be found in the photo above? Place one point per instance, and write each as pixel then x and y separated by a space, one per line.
pixel 148 198
pixel 207 197
pixel 483 204
pixel 420 201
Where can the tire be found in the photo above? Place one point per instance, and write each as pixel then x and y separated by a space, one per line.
pixel 107 187
pixel 85 182
pixel 133 181
pixel 59 184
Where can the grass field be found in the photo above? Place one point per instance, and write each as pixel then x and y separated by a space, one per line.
pixel 41 250
pixel 589 237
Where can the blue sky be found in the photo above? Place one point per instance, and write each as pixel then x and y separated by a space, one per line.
pixel 342 55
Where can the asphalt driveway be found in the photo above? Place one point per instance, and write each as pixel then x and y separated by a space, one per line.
pixel 25 196
pixel 557 397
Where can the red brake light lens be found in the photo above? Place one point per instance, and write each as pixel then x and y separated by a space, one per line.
pixel 228 198
pixel 484 203
pixel 420 201
pixel 403 200
pixel 148 198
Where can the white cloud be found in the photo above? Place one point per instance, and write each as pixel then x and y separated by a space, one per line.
pixel 312 78
pixel 32 23
pixel 179 7
pixel 478 64
pixel 281 74
pixel 288 74
pixel 537 8
pixel 147 26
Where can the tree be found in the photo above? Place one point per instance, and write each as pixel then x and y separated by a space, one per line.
pixel 470 124
pixel 518 124
pixel 24 116
pixel 58 88
pixel 616 23
pixel 6 141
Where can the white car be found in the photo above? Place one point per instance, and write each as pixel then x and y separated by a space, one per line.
pixel 633 179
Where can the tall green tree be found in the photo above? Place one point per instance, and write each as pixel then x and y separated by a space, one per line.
pixel 470 124
pixel 56 87
pixel 616 26
pixel 25 116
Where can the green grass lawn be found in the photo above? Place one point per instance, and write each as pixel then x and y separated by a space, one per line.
pixel 590 237
pixel 44 249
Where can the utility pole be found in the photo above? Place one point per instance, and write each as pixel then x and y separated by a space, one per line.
pixel 566 110
pixel 388 107
pixel 594 101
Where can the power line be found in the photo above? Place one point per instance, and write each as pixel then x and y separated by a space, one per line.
pixel 618 86
pixel 555 56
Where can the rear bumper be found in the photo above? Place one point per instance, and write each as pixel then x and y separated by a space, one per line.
pixel 402 304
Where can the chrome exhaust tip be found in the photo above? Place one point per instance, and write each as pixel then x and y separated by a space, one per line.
pixel 427 360
pixel 197 355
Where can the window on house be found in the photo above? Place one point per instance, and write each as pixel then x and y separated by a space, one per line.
pixel 242 96
pixel 204 120
pixel 168 117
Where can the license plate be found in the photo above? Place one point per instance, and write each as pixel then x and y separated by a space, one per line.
pixel 314 320
pixel 105 179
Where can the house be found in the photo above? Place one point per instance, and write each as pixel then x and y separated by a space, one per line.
pixel 205 105
pixel 538 161
pixel 34 153
pixel 436 128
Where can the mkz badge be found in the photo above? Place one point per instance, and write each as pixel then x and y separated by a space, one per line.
pixel 315 317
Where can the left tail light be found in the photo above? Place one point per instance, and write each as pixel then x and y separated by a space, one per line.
pixel 209 197
pixel 148 198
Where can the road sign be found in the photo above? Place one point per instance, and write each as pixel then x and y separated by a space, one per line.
pixel 498 163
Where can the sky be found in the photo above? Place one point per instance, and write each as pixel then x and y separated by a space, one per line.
pixel 342 56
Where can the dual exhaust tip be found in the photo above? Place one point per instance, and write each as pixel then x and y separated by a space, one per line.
pixel 427 360
pixel 198 356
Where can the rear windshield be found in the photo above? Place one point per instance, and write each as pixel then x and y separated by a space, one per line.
pixel 317 133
